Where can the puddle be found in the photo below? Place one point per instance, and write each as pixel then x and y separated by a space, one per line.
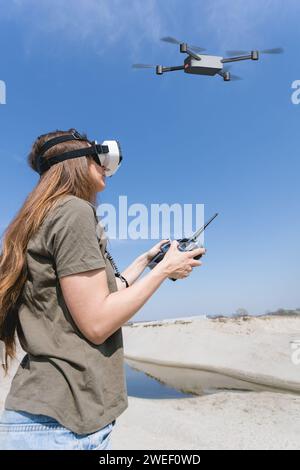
pixel 149 380
pixel 141 385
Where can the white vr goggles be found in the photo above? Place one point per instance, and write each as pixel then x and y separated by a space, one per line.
pixel 108 154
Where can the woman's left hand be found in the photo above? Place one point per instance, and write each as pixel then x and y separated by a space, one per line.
pixel 155 249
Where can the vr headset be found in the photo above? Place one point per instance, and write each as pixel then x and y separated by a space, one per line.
pixel 108 154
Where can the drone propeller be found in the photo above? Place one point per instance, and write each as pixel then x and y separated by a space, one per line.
pixel 170 39
pixel 275 50
pixel 143 66
pixel 175 41
pixel 234 78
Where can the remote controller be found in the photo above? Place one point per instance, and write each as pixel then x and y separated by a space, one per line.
pixel 185 244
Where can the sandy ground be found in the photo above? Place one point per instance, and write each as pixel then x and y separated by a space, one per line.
pixel 255 351
pixel 225 420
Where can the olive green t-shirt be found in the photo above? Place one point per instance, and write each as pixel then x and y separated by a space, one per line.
pixel 63 374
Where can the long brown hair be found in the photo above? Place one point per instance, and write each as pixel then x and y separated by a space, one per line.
pixel 68 177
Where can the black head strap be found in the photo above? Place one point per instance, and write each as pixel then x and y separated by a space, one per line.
pixel 57 140
pixel 43 164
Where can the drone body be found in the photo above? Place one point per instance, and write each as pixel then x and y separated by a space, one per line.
pixel 203 64
pixel 207 65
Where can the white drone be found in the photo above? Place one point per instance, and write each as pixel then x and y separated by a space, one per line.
pixel 203 64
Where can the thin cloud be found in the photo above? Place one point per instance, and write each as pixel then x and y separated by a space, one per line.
pixel 237 21
pixel 100 23
pixel 134 24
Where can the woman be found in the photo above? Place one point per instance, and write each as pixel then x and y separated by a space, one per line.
pixel 60 295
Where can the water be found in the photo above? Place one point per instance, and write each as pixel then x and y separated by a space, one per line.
pixel 141 385
pixel 150 380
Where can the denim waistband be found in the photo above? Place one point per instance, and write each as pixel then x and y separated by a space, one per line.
pixel 11 420
pixel 22 420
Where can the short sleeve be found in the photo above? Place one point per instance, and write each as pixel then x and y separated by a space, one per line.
pixel 71 238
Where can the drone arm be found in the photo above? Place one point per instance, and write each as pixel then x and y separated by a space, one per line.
pixel 236 59
pixel 160 70
pixel 175 67
pixel 192 54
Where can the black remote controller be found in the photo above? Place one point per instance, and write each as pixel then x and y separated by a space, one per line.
pixel 185 244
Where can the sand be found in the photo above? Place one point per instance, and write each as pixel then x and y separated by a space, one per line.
pixel 226 420
pixel 254 350
pixel 202 355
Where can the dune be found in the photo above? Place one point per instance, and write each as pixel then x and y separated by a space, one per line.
pixel 202 354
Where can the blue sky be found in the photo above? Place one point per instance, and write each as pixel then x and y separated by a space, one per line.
pixel 186 139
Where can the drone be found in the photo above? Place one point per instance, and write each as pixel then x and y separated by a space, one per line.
pixel 202 64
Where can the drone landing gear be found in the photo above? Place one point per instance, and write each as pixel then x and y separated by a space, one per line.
pixel 226 75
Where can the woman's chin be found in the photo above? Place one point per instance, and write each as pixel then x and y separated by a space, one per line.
pixel 101 186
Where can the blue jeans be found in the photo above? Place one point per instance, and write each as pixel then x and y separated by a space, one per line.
pixel 20 430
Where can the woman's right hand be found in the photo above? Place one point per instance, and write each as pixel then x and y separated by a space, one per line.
pixel 179 264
